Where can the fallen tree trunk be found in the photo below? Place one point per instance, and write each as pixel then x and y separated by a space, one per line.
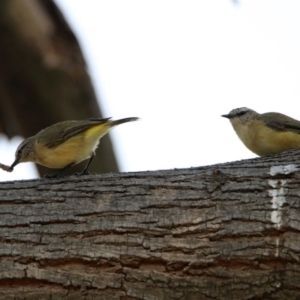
pixel 228 231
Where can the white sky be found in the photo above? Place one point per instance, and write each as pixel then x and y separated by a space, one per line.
pixel 179 65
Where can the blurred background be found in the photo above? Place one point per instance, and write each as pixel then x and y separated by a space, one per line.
pixel 178 65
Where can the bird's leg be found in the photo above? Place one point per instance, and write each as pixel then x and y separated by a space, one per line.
pixel 58 174
pixel 85 170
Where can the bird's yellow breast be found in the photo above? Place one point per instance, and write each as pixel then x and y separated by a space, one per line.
pixel 73 150
pixel 263 140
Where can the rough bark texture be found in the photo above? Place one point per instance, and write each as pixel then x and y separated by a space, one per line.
pixel 43 75
pixel 228 231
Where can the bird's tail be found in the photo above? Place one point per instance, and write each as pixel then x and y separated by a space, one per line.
pixel 125 120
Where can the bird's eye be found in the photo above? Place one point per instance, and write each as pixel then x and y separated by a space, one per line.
pixel 241 113
pixel 19 153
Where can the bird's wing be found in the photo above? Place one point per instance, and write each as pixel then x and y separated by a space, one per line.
pixel 54 136
pixel 280 122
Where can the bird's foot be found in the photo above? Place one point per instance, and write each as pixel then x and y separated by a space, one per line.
pixel 54 176
pixel 82 173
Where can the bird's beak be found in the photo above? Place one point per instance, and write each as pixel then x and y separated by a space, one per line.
pixel 227 116
pixel 14 164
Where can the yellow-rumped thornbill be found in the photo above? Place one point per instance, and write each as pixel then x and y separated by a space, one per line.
pixel 265 134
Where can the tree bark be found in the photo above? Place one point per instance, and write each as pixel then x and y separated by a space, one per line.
pixel 227 231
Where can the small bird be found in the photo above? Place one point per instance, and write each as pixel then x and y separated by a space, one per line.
pixel 265 134
pixel 65 144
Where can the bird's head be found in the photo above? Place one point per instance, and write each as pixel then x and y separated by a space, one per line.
pixel 242 115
